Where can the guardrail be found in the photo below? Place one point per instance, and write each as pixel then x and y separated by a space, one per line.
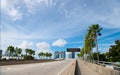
pixel 101 69
pixel 112 65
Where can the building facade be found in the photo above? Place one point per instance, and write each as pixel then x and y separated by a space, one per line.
pixel 0 54
pixel 58 54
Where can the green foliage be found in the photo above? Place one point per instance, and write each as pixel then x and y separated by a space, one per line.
pixel 4 59
pixel 11 50
pixel 91 39
pixel 29 52
pixel 41 54
pixel 28 57
pixel 114 52
pixel 102 56
pixel 78 55
pixel 81 54
pixel 18 52
pixel 47 54
pixel 0 57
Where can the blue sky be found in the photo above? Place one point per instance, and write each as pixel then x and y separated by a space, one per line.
pixel 51 25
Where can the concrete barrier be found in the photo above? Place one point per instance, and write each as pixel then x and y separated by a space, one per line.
pixel 69 69
pixel 101 69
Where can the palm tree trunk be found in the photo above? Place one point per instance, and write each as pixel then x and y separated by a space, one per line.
pixel 92 56
pixel 12 55
pixel 18 57
pixel 97 49
pixel 84 53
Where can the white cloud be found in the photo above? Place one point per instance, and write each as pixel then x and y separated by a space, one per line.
pixel 59 43
pixel 9 8
pixel 15 14
pixel 83 11
pixel 43 47
pixel 25 44
pixel 104 50
pixel 33 4
pixel 5 4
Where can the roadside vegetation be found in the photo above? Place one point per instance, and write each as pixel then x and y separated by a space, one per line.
pixel 90 42
pixel 15 53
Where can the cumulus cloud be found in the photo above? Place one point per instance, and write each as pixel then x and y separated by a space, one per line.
pixel 59 43
pixel 25 44
pixel 43 47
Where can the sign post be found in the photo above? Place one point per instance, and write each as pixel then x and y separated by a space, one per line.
pixel 73 50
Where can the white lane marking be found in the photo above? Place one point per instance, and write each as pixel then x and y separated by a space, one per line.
pixel 9 68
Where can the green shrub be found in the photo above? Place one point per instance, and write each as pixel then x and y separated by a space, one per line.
pixel 28 57
pixel 4 59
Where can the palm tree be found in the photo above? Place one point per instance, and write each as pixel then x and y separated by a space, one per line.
pixel 31 52
pixel 47 54
pixel 88 46
pixel 11 50
pixel 41 54
pixel 18 51
pixel 50 54
pixel 27 51
pixel 22 56
pixel 94 31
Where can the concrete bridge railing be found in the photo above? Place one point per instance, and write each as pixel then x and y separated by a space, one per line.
pixel 101 69
pixel 69 69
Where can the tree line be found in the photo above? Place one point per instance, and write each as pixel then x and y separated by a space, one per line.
pixel 29 53
pixel 91 41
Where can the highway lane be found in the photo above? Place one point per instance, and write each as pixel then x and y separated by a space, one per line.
pixel 48 68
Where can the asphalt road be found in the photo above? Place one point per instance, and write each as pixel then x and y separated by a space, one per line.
pixel 48 68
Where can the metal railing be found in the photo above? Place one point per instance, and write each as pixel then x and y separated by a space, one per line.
pixel 112 65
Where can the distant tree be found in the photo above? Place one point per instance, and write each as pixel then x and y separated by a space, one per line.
pixel 81 54
pixel 22 56
pixel 78 54
pixel 29 54
pixel 18 52
pixel 41 54
pixel 27 51
pixel 47 54
pixel 11 50
pixel 114 52
pixel 50 54
pixel 102 56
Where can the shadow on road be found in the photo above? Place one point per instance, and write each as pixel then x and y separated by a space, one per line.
pixel 77 69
